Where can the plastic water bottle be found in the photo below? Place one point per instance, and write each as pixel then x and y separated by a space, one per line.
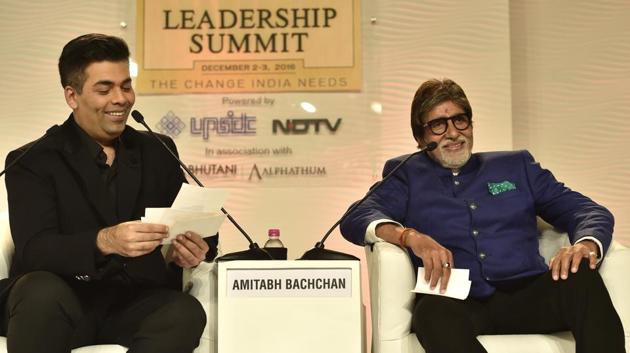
pixel 274 239
pixel 274 245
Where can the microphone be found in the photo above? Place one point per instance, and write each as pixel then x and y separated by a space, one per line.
pixel 319 253
pixel 49 132
pixel 254 252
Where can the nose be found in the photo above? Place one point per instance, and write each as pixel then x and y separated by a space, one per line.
pixel 451 130
pixel 119 96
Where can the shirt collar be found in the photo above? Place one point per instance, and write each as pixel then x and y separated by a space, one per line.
pixel 91 147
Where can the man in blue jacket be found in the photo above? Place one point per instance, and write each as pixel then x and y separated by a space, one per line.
pixel 453 208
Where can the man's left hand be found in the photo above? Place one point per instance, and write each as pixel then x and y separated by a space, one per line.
pixel 187 250
pixel 568 258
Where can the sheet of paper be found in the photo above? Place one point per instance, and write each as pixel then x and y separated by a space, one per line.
pixel 458 284
pixel 195 209
pixel 179 222
pixel 207 226
pixel 196 198
pixel 153 214
pixel 168 216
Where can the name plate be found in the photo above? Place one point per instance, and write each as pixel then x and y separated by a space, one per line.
pixel 289 282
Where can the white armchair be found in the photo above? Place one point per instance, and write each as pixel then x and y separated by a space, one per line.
pixel 201 282
pixel 392 277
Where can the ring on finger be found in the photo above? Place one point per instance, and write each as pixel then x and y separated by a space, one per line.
pixel 446 265
pixel 592 253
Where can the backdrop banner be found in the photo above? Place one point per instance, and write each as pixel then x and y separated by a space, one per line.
pixel 188 46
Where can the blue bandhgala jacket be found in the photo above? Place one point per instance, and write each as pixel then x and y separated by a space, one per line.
pixel 485 215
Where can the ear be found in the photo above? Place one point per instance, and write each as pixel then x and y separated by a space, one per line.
pixel 71 96
pixel 420 140
pixel 420 143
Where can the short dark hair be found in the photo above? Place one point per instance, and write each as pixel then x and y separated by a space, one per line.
pixel 430 94
pixel 84 50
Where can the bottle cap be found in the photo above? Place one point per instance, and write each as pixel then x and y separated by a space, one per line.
pixel 274 232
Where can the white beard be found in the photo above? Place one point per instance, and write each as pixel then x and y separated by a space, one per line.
pixel 454 160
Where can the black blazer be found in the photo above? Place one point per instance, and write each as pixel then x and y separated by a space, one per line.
pixel 58 203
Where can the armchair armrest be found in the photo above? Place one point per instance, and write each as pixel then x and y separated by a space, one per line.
pixel 391 277
pixel 201 283
pixel 613 271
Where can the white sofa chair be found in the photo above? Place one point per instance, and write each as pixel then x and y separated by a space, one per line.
pixel 200 282
pixel 392 278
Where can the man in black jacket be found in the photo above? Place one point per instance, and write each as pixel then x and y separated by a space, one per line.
pixel 85 271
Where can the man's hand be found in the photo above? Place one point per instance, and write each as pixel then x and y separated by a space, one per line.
pixel 131 239
pixel 569 258
pixel 187 250
pixel 437 259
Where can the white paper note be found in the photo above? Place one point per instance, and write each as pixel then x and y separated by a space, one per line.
pixel 179 222
pixel 458 284
pixel 207 226
pixel 195 209
pixel 199 199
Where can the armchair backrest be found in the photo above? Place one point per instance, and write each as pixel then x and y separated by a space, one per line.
pixel 6 245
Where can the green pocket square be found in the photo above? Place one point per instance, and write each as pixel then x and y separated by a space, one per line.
pixel 497 188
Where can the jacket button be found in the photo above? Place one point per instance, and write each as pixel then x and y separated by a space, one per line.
pixel 482 255
pixel 473 206
pixel 475 232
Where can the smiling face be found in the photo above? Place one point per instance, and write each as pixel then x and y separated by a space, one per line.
pixel 454 146
pixel 106 98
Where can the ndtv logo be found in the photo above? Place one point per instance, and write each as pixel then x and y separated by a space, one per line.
pixel 303 126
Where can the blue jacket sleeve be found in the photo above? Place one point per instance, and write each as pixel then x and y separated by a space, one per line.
pixel 389 201
pixel 566 209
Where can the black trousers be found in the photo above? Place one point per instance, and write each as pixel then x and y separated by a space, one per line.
pixel 44 314
pixel 580 304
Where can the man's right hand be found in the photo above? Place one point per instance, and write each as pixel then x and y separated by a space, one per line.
pixel 437 259
pixel 131 239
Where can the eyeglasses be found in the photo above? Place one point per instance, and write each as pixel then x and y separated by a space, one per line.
pixel 440 125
